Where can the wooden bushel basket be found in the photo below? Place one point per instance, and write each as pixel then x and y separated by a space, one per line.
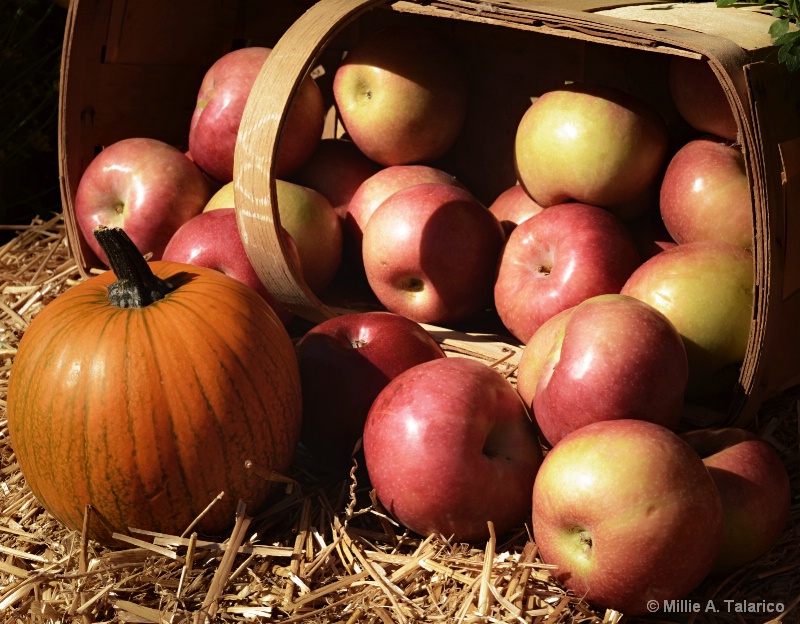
pixel 758 90
pixel 514 50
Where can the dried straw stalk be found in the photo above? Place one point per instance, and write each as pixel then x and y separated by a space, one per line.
pixel 324 552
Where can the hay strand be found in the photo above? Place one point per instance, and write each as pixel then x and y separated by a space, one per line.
pixel 324 551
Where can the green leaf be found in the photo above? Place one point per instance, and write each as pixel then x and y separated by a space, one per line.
pixel 789 39
pixel 725 3
pixel 778 28
pixel 779 12
pixel 789 52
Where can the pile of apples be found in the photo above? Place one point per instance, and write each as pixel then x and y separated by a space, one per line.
pixel 626 312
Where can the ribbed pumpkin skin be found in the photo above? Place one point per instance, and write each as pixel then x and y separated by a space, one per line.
pixel 149 413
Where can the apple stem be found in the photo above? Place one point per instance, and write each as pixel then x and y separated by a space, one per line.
pixel 136 286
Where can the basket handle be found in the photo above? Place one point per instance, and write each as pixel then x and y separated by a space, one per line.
pixel 256 153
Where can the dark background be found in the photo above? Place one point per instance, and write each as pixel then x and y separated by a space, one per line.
pixel 31 35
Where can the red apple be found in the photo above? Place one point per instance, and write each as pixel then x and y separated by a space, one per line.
pixel 754 486
pixel 592 144
pixel 650 234
pixel 536 352
pixel 558 258
pixel 513 206
pixel 344 363
pixel 310 221
pixel 401 94
pixel 337 169
pixel 613 358
pixel 449 446
pixel 430 253
pixel 143 185
pixel 706 290
pixel 629 515
pixel 700 98
pixel 220 103
pixel 213 185
pixel 378 187
pixel 705 194
pixel 211 239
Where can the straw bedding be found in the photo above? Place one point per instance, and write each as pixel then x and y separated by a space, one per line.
pixel 323 551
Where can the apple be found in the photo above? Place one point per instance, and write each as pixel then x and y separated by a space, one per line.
pixel 143 185
pixel 211 239
pixel 449 446
pixel 536 352
pixel 650 234
pixel 222 198
pixel 344 363
pixel 558 258
pixel 373 191
pixel 592 144
pixel 705 194
pixel 401 94
pixel 337 169
pixel 513 206
pixel 213 185
pixel 756 494
pixel 613 357
pixel 706 290
pixel 628 513
pixel 310 221
pixel 315 227
pixel 430 252
pixel 700 99
pixel 217 115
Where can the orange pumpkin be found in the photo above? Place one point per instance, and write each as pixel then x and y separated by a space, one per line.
pixel 145 397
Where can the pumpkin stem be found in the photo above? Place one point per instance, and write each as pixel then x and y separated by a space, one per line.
pixel 136 285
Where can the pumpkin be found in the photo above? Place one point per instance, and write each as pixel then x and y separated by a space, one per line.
pixel 145 391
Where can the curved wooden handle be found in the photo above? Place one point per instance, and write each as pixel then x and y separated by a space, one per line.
pixel 257 149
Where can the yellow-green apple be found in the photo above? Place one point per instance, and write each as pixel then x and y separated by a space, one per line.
pixel 613 357
pixel 449 446
pixel 372 192
pixel 222 198
pixel 700 99
pixel 754 485
pixel 315 227
pixel 430 253
pixel 344 363
pixel 401 94
pixel 310 220
pixel 143 185
pixel 217 115
pixel 337 169
pixel 513 206
pixel 592 144
pixel 629 515
pixel 211 239
pixel 706 290
pixel 705 194
pixel 558 258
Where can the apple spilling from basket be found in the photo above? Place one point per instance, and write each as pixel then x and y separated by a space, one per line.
pixel 622 264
